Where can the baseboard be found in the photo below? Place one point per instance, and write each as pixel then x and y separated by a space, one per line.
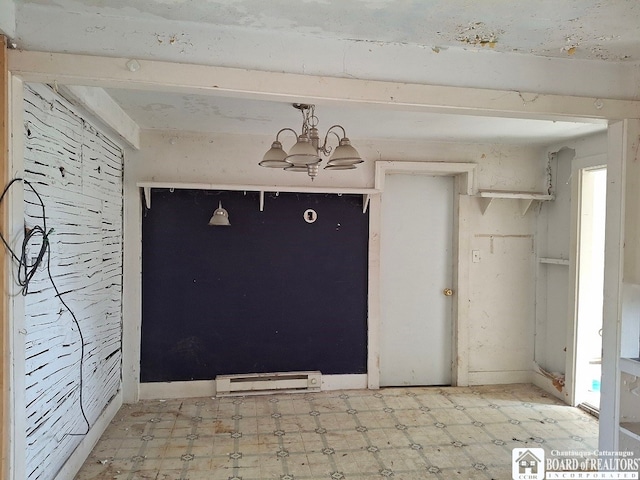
pixel 500 377
pixel 344 382
pixel 207 388
pixel 73 464
pixel 545 384
pixel 164 390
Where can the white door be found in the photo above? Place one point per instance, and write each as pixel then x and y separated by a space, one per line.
pixel 416 242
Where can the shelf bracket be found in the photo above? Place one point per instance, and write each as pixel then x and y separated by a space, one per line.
pixel 146 193
pixel 525 205
pixel 484 203
pixel 365 202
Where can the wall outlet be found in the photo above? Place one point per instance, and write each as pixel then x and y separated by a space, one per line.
pixel 475 256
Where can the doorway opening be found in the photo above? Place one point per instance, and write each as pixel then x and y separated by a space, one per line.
pixel 590 283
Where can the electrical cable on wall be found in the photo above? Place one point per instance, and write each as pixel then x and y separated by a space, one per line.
pixel 27 270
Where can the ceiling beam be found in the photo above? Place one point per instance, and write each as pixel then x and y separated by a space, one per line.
pixel 107 72
pixel 100 104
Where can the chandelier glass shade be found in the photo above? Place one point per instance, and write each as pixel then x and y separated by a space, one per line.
pixel 306 154
pixel 274 158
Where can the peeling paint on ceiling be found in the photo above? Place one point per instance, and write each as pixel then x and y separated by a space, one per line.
pixel 569 47
pixel 587 29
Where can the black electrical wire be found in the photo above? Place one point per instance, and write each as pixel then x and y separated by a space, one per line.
pixel 27 270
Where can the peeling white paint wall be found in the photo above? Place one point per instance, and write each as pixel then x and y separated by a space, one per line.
pixel 78 173
pixel 502 288
pixel 8 18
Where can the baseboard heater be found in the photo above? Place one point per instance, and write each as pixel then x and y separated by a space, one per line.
pixel 264 383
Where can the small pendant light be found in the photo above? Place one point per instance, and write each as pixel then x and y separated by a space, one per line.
pixel 220 217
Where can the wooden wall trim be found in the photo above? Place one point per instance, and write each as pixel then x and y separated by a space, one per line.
pixel 4 330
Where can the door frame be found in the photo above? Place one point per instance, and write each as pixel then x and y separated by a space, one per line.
pixel 5 261
pixel 464 175
pixel 577 164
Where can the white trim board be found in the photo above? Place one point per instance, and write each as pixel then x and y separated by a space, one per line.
pixel 103 108
pixel 344 382
pixel 500 377
pixel 545 384
pixel 165 390
pixel 83 450
pixel 107 72
pixel 207 388
pixel 618 156
pixel 15 223
pixel 464 169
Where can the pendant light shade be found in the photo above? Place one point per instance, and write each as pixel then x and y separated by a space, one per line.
pixel 303 153
pixel 344 154
pixel 220 217
pixel 340 167
pixel 274 158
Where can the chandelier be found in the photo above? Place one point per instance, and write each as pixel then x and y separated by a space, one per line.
pixel 305 155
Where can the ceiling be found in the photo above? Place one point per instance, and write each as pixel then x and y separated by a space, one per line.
pixel 590 29
pixel 200 113
pixel 351 38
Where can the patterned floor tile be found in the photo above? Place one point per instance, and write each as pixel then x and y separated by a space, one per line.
pixel 397 433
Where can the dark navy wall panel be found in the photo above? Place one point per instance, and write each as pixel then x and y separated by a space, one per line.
pixel 270 293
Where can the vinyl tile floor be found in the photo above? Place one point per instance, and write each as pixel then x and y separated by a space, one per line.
pixel 400 433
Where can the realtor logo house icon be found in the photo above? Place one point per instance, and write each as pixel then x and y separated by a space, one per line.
pixel 528 463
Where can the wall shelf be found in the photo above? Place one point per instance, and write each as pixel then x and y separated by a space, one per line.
pixel 553 261
pixel 261 189
pixel 526 199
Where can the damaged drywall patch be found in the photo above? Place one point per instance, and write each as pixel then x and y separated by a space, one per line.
pixel 572 44
pixel 602 53
pixel 478 33
pixel 177 39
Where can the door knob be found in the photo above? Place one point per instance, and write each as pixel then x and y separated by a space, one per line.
pixel 447 292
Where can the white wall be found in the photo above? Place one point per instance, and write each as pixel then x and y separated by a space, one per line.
pixel 553 242
pixel 554 290
pixel 77 171
pixel 501 311
pixel 502 296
